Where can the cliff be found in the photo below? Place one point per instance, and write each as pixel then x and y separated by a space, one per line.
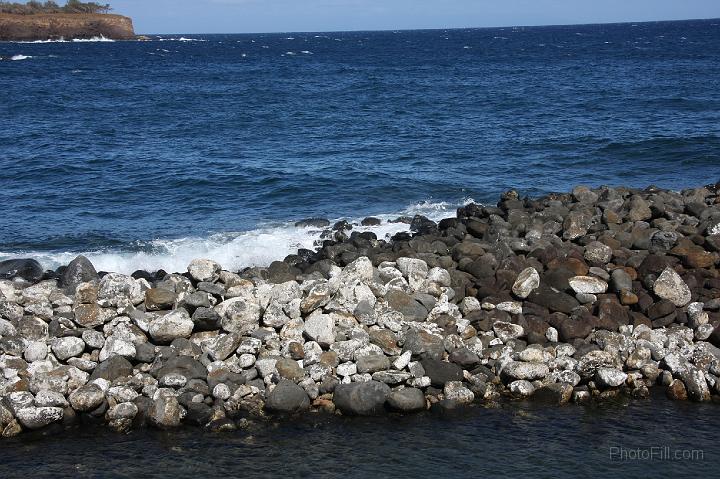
pixel 57 25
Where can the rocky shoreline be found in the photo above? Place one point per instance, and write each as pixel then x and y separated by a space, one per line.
pixel 56 26
pixel 566 298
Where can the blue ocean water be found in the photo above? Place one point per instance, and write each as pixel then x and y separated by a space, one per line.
pixel 148 154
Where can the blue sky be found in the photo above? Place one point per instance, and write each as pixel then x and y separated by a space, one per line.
pixel 245 16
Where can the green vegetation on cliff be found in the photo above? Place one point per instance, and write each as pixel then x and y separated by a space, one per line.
pixel 34 7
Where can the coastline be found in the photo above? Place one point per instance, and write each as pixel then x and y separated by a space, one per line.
pixel 54 26
pixel 574 297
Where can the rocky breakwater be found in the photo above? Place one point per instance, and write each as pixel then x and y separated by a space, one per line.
pixel 56 26
pixel 566 298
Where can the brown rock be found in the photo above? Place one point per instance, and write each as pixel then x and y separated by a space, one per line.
pixel 676 391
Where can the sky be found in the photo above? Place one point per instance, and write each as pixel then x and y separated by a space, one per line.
pixel 253 16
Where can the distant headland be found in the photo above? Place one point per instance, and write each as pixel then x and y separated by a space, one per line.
pixel 34 20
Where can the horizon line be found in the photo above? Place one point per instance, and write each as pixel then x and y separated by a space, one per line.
pixel 629 22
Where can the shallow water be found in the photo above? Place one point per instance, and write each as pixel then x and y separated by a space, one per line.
pixel 514 440
pixel 149 154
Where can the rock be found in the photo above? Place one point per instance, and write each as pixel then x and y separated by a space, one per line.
pixel 527 371
pixel 66 348
pixel 165 412
pixel 80 270
pixel 597 252
pixel 38 417
pixel 555 393
pixel 554 300
pixel 455 391
pixel 176 324
pixel 527 281
pixel 204 270
pixel 239 315
pixel 621 280
pixel 506 331
pixel 112 368
pixel 407 400
pixel 588 285
pixel 610 377
pixel 287 397
pixel 372 363
pixel 522 388
pixel 671 286
pixel 158 299
pixel 92 315
pixel 289 369
pixel 695 383
pixel 116 289
pixel 27 269
pixel 87 398
pixel 117 346
pixel 441 372
pixel 423 344
pixel 676 391
pixel 318 296
pixel 50 399
pixel 402 302
pixel 321 329
pixel 361 399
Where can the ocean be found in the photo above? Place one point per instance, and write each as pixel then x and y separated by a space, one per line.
pixel 623 439
pixel 145 155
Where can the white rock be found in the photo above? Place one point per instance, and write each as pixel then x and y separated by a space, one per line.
pixel 68 347
pixel 610 377
pixel 522 388
pixel 321 329
pixel 671 286
pixel 38 417
pixel 526 282
pixel 588 285
pixel 176 324
pixel 402 361
pixel 346 369
pixel 115 346
pixel 204 270
pixel 506 331
pixel 456 391
pixel 512 307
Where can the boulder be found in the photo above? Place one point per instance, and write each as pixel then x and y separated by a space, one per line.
pixel 158 299
pixel 407 400
pixel 68 347
pixel 671 286
pixel 204 270
pixel 587 285
pixel 402 302
pixel 27 269
pixel 166 412
pixel 361 399
pixel 176 324
pixel 441 372
pixel 287 397
pixel 87 398
pixel 528 371
pixel 38 417
pixel 80 270
pixel 112 368
pixel 527 281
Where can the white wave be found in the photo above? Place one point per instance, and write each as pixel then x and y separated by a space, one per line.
pixel 307 52
pixel 181 39
pixel 93 39
pixel 61 40
pixel 233 250
pixel 19 57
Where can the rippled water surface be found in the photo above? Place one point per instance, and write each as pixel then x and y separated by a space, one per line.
pixel 516 440
pixel 147 154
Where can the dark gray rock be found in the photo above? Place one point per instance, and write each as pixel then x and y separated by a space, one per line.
pixel 80 270
pixel 287 397
pixel 411 309
pixel 27 269
pixel 423 344
pixel 361 399
pixel 441 372
pixel 407 400
pixel 112 368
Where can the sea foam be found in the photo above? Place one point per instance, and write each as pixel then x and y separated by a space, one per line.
pixel 233 250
